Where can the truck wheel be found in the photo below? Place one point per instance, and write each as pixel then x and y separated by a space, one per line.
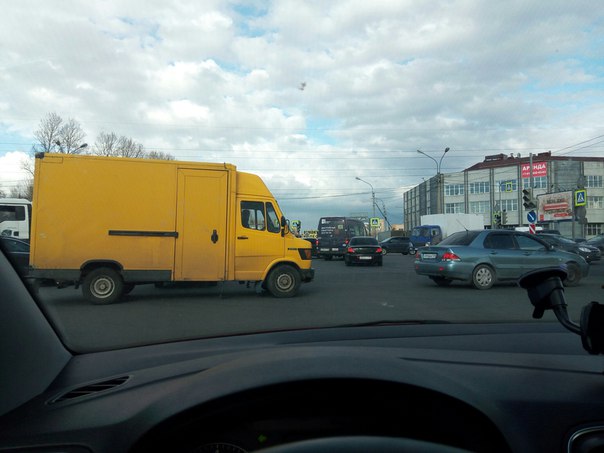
pixel 483 277
pixel 574 275
pixel 283 281
pixel 103 286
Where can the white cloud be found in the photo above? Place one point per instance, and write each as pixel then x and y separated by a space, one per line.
pixel 205 81
pixel 12 172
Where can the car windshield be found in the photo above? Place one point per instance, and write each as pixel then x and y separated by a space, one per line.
pixel 164 161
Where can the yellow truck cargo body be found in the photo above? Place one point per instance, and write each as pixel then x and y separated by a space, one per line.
pixel 155 221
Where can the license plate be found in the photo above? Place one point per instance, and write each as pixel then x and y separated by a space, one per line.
pixel 335 249
pixel 325 250
pixel 364 257
pixel 429 256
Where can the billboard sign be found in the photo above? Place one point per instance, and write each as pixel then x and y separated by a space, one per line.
pixel 555 206
pixel 539 169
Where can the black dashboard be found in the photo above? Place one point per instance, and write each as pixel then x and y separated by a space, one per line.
pixel 499 387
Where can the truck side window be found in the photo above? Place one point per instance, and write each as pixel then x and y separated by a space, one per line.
pixel 12 213
pixel 273 225
pixel 252 215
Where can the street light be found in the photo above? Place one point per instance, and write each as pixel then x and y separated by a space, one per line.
pixel 82 146
pixel 439 162
pixel 438 177
pixel 372 193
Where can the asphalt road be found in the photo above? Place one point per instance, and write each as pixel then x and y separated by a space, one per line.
pixel 339 295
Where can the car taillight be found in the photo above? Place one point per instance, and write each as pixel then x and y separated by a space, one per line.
pixel 450 256
pixel 379 250
pixel 417 255
pixel 350 250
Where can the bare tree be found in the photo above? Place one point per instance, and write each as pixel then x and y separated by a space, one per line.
pixel 71 137
pixel 106 144
pixel 54 135
pixel 130 148
pixel 2 194
pixel 109 144
pixel 25 189
pixel 159 155
pixel 47 133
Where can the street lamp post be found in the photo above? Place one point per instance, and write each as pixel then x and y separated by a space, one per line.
pixel 438 177
pixel 372 193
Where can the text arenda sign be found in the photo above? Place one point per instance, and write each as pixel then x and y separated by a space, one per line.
pixel 539 169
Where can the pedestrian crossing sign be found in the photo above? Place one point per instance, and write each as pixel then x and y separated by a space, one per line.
pixel 580 197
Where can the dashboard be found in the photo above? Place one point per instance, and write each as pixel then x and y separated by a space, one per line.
pixel 499 387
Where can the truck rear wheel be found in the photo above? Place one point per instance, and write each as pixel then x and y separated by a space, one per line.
pixel 283 281
pixel 103 286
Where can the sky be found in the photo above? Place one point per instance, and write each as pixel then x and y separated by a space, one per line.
pixel 310 95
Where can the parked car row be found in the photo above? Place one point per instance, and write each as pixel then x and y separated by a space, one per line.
pixel 587 251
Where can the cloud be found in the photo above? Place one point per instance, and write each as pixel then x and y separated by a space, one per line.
pixel 12 173
pixel 218 81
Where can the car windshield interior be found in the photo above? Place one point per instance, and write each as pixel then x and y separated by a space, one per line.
pixel 236 225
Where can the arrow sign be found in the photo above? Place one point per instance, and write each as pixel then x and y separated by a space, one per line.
pixel 531 216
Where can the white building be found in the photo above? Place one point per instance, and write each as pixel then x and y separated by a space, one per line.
pixel 496 184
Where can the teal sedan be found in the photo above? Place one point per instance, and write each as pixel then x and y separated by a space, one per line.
pixel 485 257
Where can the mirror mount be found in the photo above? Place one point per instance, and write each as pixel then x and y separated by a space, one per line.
pixel 546 292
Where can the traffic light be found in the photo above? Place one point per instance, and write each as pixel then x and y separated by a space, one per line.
pixel 496 219
pixel 504 217
pixel 527 199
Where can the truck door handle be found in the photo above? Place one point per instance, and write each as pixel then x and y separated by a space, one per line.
pixel 242 237
pixel 214 237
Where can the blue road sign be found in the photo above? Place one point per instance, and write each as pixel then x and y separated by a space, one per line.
pixel 580 197
pixel 531 216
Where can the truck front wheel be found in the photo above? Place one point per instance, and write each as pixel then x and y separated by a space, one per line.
pixel 103 286
pixel 283 281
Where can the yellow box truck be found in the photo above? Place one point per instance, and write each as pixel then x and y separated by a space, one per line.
pixel 107 224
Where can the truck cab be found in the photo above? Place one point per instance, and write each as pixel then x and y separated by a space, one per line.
pixel 15 218
pixel 424 235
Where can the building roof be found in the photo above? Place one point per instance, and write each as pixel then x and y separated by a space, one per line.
pixel 504 160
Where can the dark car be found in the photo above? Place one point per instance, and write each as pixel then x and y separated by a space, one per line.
pixel 363 250
pixel 395 244
pixel 17 252
pixel 483 257
pixel 589 252
pixel 597 241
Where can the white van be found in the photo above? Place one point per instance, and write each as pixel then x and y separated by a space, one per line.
pixel 15 217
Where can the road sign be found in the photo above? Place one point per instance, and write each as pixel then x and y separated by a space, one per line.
pixel 506 186
pixel 532 228
pixel 531 216
pixel 580 197
pixel 374 221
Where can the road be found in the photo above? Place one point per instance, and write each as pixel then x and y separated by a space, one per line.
pixel 338 295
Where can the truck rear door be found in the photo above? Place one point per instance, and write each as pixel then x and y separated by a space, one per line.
pixel 201 225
